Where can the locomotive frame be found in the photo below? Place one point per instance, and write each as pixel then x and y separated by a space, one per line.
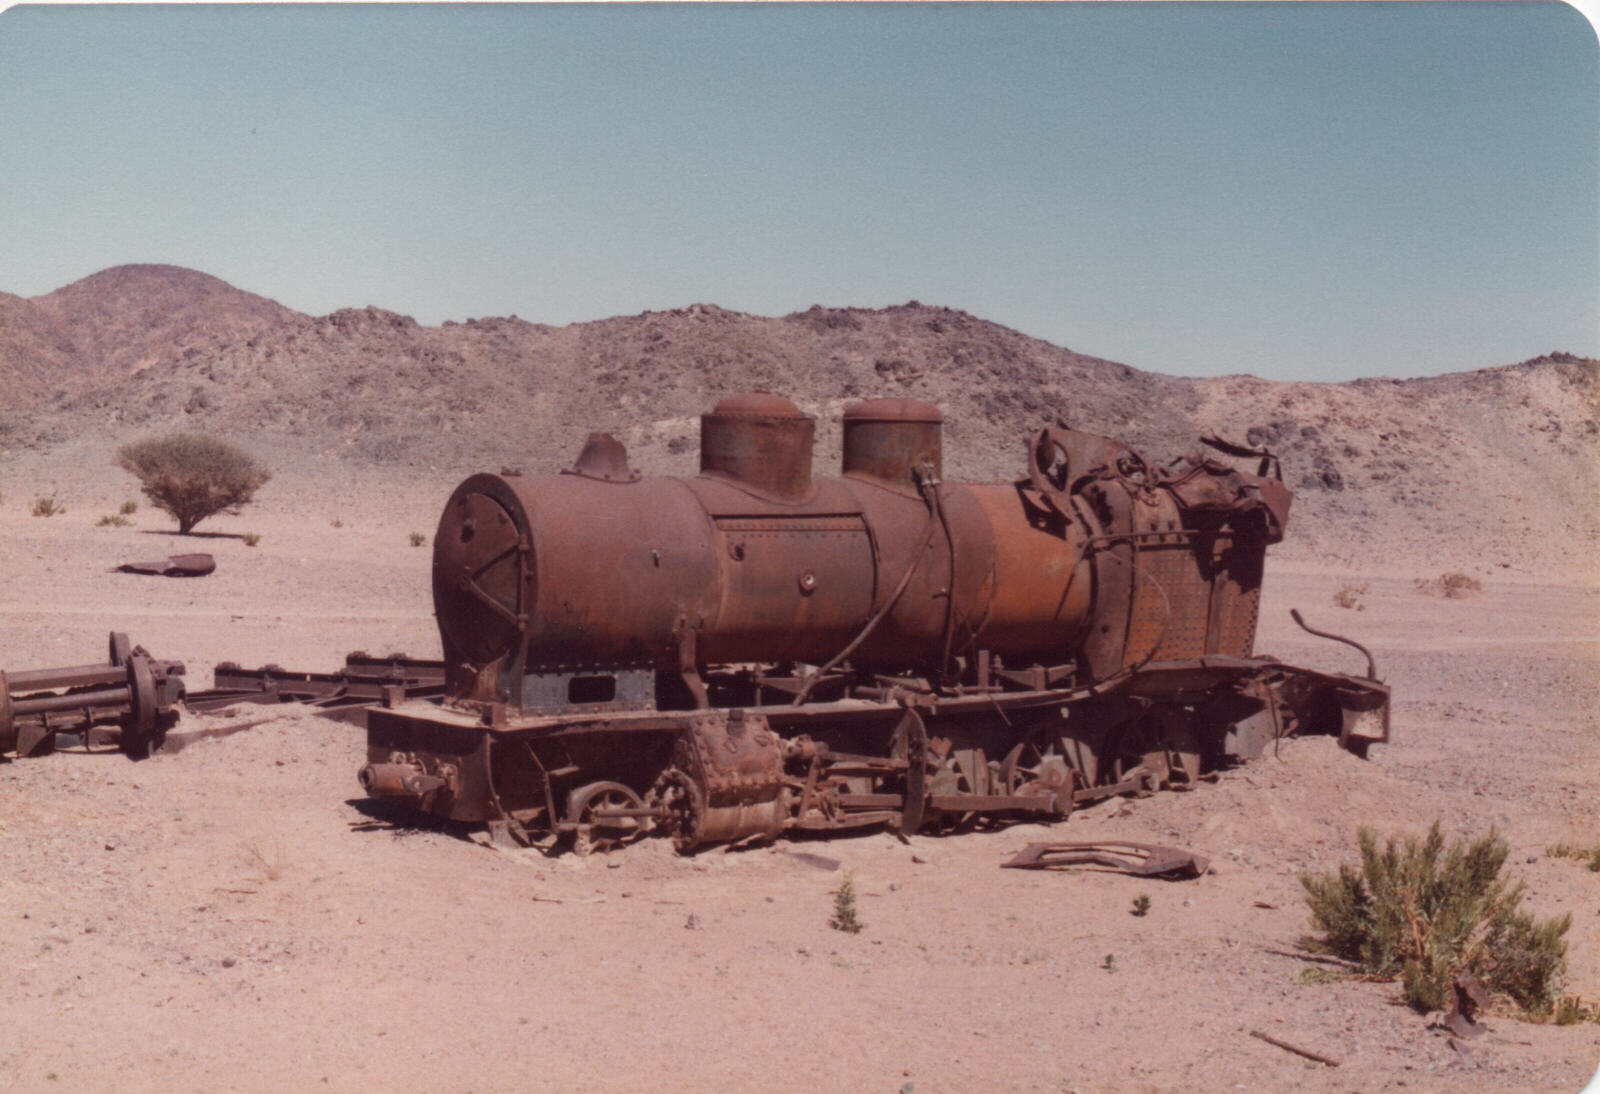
pixel 750 652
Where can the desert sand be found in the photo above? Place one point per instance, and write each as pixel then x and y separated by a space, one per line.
pixel 235 916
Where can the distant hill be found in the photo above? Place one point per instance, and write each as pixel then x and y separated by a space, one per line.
pixel 1496 464
pixel 110 325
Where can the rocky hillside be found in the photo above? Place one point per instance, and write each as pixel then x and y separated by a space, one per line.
pixel 111 325
pixel 1496 468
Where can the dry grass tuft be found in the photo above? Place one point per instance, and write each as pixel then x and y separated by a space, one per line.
pixel 1349 596
pixel 1589 856
pixel 1572 1010
pixel 1452 586
pixel 273 868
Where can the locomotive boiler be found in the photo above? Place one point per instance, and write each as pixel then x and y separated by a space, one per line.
pixel 754 650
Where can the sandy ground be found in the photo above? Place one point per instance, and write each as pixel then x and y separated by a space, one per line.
pixel 236 917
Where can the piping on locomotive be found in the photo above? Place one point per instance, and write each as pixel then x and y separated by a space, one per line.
pixel 753 651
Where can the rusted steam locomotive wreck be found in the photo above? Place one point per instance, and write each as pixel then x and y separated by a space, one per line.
pixel 753 650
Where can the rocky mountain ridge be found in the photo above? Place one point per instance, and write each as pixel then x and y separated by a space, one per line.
pixel 1498 465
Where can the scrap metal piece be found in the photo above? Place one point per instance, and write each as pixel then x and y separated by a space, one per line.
pixel 1372 667
pixel 1296 1049
pixel 196 565
pixel 1138 859
pixel 133 690
pixel 1468 997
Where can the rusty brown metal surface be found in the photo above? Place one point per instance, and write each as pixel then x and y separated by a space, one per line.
pixel 604 458
pixel 754 650
pixel 761 442
pixel 131 690
pixel 725 782
pixel 343 695
pixel 1138 859
pixel 888 441
pixel 195 565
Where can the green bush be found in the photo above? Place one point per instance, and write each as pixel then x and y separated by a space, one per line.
pixel 1425 914
pixel 129 507
pixel 192 476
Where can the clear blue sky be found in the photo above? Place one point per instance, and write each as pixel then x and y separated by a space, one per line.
pixel 1294 190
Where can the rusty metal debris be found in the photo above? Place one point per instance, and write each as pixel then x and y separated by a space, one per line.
pixel 132 690
pixel 1296 1049
pixel 1468 998
pixel 1138 859
pixel 196 565
pixel 756 649
pixel 344 695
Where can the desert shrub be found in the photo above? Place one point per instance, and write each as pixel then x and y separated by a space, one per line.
pixel 112 520
pixel 844 908
pixel 47 507
pixel 129 508
pixel 418 539
pixel 1425 914
pixel 1454 585
pixel 250 539
pixel 192 476
pixel 1349 596
pixel 1141 904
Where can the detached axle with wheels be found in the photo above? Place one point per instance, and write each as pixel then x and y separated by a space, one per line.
pixel 133 691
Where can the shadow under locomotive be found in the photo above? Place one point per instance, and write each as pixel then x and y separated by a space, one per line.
pixel 752 651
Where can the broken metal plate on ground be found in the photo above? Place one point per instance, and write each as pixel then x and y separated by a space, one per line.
pixel 1138 859
pixel 197 565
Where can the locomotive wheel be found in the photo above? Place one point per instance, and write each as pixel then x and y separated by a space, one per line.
pixel 140 733
pixel 586 807
pixel 1027 771
pixel 681 808
pixel 1171 748
pixel 963 771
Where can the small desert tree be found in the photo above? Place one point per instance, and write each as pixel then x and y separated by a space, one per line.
pixel 192 476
